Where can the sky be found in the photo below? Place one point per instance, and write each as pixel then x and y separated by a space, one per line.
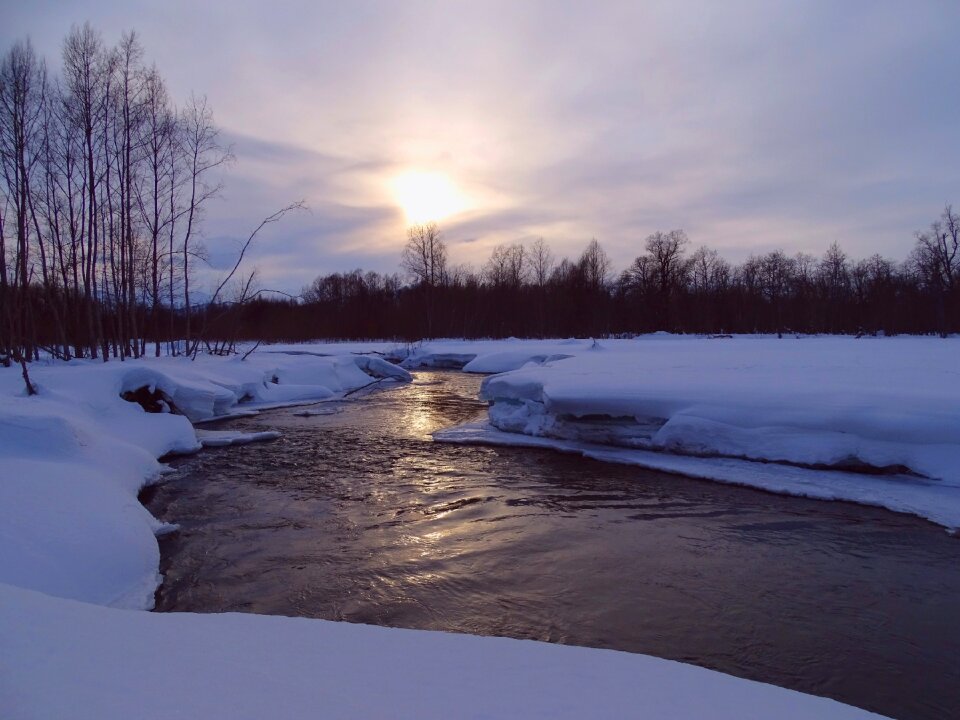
pixel 751 125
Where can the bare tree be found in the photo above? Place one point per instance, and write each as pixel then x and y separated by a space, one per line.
pixel 425 254
pixel 128 117
pixel 22 98
pixel 507 266
pixel 833 274
pixel 517 265
pixel 663 273
pixel 102 187
pixel 776 275
pixel 708 272
pixel 84 104
pixel 157 140
pixel 936 261
pixel 495 269
pixel 640 276
pixel 666 251
pixel 541 262
pixel 595 265
pixel 425 259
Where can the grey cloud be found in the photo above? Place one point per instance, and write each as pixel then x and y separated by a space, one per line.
pixel 752 124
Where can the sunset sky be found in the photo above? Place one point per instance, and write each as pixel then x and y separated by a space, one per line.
pixel 752 125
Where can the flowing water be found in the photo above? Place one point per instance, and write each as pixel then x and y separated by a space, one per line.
pixel 356 515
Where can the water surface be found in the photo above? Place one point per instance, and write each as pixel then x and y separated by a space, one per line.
pixel 356 515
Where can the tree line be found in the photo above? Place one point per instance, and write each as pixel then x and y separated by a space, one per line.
pixel 526 291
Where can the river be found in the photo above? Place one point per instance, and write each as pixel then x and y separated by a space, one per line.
pixel 357 515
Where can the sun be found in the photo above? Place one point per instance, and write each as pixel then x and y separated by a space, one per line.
pixel 427 196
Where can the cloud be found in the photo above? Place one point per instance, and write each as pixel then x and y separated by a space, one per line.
pixel 750 124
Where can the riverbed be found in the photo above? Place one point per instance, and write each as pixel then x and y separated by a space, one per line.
pixel 355 514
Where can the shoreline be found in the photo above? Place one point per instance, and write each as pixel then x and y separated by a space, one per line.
pixel 95 452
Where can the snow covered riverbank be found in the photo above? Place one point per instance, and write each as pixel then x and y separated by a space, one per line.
pixel 72 461
pixel 68 659
pixel 74 457
pixel 869 420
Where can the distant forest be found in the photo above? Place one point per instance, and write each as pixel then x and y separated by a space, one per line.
pixel 524 291
pixel 103 188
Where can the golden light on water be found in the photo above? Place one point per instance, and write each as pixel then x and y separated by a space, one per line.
pixel 427 196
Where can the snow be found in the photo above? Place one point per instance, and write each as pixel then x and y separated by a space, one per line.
pixel 476 356
pixel 499 362
pixel 379 368
pixel 79 557
pixel 703 406
pixel 67 659
pixel 72 461
pixel 74 457
pixel 915 496
pixel 889 405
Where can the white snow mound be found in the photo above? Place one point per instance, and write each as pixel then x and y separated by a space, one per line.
pixel 69 659
pixel 74 457
pixel 882 406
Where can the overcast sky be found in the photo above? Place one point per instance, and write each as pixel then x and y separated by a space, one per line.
pixel 752 125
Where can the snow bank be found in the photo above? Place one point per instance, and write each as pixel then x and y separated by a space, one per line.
pixel 475 356
pixel 914 496
pixel 499 362
pixel 490 356
pixel 68 659
pixel 889 405
pixel 72 461
pixel 882 405
pixel 211 387
pixel 74 457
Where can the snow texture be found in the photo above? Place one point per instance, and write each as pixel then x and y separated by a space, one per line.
pixel 67 659
pixel 872 420
pixel 74 537
pixel 74 457
pixel 915 496
pixel 890 407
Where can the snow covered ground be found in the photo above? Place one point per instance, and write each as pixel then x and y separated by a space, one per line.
pixel 64 659
pixel 871 405
pixel 74 457
pixel 73 535
pixel 915 496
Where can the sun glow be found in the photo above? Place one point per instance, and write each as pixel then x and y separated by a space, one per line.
pixel 427 196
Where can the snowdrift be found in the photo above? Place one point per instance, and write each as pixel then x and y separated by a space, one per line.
pixel 67 659
pixel 73 537
pixel 74 457
pixel 887 407
pixel 473 356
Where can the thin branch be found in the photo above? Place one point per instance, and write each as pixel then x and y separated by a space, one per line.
pixel 299 205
